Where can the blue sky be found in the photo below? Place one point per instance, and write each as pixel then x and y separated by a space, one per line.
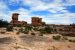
pixel 52 11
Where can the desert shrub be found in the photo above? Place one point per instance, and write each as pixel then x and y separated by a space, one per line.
pixel 28 28
pixel 71 40
pixel 42 31
pixel 18 25
pixel 49 49
pixel 18 33
pixel 36 29
pixel 48 29
pixel 32 33
pixel 20 30
pixel 65 34
pixel 68 34
pixel 2 32
pixel 65 38
pixel 57 37
pixel 23 31
pixel 9 28
pixel 41 35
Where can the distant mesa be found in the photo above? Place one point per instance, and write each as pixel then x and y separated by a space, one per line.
pixel 36 21
pixel 15 21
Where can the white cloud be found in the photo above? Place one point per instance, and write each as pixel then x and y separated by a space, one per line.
pixel 67 18
pixel 71 2
pixel 43 6
pixel 31 2
pixel 23 15
pixel 3 7
pixel 4 11
pixel 57 1
pixel 12 2
pixel 37 5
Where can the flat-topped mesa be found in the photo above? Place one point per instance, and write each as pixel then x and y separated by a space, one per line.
pixel 36 21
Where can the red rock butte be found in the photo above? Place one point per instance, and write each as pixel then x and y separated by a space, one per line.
pixel 36 21
pixel 15 21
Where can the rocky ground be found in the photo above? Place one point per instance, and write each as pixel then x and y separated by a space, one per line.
pixel 31 42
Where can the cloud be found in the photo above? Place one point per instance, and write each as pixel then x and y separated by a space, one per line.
pixel 4 11
pixel 53 7
pixel 52 11
pixel 71 2
pixel 23 14
pixel 67 18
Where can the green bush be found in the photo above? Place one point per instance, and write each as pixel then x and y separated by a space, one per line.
pixel 28 28
pixel 48 29
pixel 42 31
pixel 9 28
pixel 57 37
pixel 23 31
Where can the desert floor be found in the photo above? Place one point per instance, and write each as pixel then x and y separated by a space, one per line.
pixel 31 42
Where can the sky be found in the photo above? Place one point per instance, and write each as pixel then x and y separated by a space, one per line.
pixel 51 11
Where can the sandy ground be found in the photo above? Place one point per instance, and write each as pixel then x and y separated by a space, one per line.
pixel 29 42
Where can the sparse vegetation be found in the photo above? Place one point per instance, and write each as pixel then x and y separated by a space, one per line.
pixel 41 35
pixel 68 34
pixel 2 32
pixel 18 25
pixel 42 31
pixel 36 29
pixel 58 37
pixel 28 28
pixel 48 29
pixel 65 38
pixel 32 33
pixel 23 31
pixel 70 40
pixel 9 28
pixel 18 33
pixel 49 49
